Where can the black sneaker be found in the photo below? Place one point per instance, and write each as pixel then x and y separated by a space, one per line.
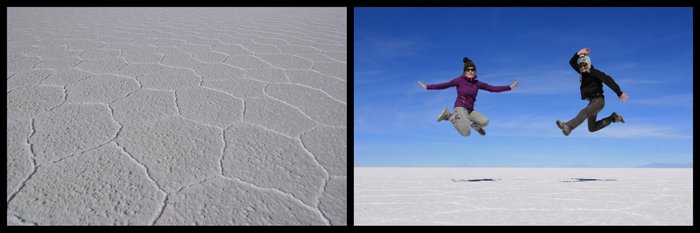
pixel 564 128
pixel 617 118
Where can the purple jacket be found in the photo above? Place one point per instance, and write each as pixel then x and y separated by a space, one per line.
pixel 467 90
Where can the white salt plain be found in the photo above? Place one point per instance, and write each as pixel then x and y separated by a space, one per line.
pixel 523 196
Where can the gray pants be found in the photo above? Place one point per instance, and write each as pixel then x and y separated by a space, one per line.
pixel 462 120
pixel 590 112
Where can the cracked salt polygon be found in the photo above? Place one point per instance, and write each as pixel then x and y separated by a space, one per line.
pixel 311 78
pixel 295 50
pixel 338 91
pixel 65 76
pixel 103 88
pixel 302 42
pixel 20 47
pixel 82 44
pixel 168 50
pixel 222 201
pixel 270 41
pixel 277 116
pixel 28 102
pixel 202 53
pixel 138 69
pixel 71 128
pixel 230 49
pixel 105 65
pixel 14 57
pixel 144 58
pixel 23 64
pixel 58 62
pixel 170 78
pixel 286 61
pixel 340 56
pixel 27 78
pixel 241 88
pixel 100 186
pixel 271 160
pixel 218 71
pixel 267 75
pixel 316 58
pixel 138 50
pixel 181 60
pixel 99 54
pixel 333 69
pixel 260 48
pixel 176 151
pixel 331 47
pixel 143 106
pixel 247 62
pixel 209 56
pixel 118 45
pixel 209 106
pixel 53 51
pixel 329 145
pixel 325 109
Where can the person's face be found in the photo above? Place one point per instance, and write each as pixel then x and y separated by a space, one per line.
pixel 470 72
pixel 584 67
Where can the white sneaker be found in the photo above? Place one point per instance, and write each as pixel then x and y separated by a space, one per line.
pixel 444 115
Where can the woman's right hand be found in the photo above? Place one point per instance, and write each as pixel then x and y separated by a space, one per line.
pixel 423 85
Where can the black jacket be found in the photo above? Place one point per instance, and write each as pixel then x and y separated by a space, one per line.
pixel 592 82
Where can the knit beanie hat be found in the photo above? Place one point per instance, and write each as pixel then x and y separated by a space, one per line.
pixel 584 58
pixel 468 63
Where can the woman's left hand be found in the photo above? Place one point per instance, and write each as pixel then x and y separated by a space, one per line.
pixel 515 84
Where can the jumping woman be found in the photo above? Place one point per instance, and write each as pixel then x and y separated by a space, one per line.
pixel 468 86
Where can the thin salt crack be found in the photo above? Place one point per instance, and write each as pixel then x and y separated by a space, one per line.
pixel 283 193
pixel 150 177
pixel 35 167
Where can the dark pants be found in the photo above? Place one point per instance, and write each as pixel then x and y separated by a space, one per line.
pixel 590 112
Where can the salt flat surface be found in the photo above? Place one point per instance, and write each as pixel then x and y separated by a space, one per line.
pixel 523 196
pixel 176 116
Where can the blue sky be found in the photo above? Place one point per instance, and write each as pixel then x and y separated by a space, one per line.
pixel 646 50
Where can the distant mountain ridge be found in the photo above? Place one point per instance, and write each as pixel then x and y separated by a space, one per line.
pixel 667 165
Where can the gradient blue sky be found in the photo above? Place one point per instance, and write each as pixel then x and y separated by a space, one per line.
pixel 647 50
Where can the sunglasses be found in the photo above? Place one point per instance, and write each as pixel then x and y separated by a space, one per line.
pixel 582 64
pixel 471 69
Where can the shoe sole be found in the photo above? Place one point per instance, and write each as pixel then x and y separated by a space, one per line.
pixel 559 123
pixel 440 117
pixel 621 119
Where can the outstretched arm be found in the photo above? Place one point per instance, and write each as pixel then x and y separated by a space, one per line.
pixel 612 85
pixel 490 88
pixel 438 86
